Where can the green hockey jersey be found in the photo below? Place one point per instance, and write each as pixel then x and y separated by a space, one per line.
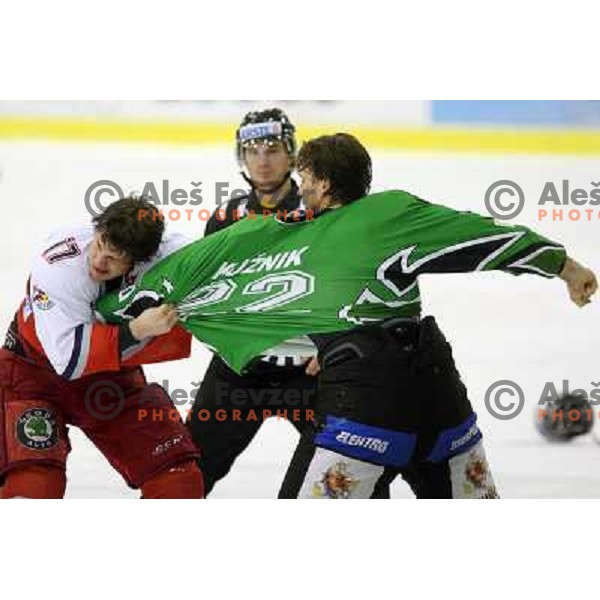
pixel 270 280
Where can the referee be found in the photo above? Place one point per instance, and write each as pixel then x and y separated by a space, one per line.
pixel 266 148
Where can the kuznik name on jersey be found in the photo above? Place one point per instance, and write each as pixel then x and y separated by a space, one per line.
pixel 263 282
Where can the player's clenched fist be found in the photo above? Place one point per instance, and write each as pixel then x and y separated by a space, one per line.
pixel 154 321
pixel 582 282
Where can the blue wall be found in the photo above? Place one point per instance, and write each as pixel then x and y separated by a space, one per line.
pixel 557 113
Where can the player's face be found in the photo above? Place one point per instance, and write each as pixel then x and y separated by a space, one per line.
pixel 106 261
pixel 313 190
pixel 268 163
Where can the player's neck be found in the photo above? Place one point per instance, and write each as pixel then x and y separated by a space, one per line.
pixel 327 203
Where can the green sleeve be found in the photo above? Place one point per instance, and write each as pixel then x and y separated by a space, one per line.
pixel 443 240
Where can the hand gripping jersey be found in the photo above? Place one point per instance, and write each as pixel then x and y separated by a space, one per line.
pixel 265 281
pixel 56 323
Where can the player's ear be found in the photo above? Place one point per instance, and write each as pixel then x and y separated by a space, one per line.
pixel 324 187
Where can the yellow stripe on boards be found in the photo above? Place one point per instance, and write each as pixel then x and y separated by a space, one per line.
pixel 472 140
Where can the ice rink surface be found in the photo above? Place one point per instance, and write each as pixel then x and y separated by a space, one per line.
pixel 502 327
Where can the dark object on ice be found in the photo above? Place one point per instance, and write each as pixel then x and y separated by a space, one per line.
pixel 563 419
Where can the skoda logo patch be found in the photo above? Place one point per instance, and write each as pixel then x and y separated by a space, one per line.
pixel 36 429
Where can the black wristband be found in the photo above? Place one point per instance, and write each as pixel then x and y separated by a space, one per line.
pixel 126 339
